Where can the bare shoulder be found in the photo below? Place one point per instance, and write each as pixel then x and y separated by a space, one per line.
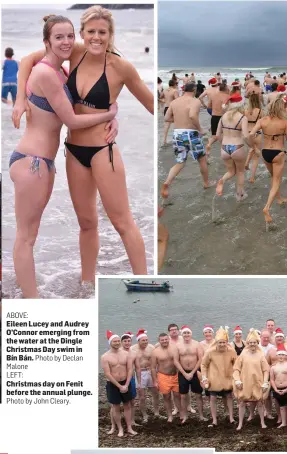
pixel 78 51
pixel 105 356
pixel 118 62
pixel 151 347
pixel 134 348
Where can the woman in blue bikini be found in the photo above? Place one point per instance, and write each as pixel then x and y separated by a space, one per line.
pixel 96 78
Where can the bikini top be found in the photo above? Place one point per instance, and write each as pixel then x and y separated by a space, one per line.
pixel 42 102
pixel 255 121
pixel 235 129
pixel 98 96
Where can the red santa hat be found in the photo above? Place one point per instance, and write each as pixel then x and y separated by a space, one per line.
pixel 279 332
pixel 111 336
pixel 185 328
pixel 234 101
pixel 235 84
pixel 208 328
pixel 128 333
pixel 281 350
pixel 141 333
pixel 213 81
pixel 237 329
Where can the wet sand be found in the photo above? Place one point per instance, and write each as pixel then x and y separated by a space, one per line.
pixel 194 434
pixel 237 241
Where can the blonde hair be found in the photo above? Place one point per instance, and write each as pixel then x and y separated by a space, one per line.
pixel 232 111
pixel 98 12
pixel 277 108
pixel 253 102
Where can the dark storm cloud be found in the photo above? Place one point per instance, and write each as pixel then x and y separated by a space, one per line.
pixel 228 34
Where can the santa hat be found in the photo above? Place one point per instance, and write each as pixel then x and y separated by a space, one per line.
pixel 222 334
pixel 128 333
pixel 237 330
pixel 213 81
pixel 141 333
pixel 111 336
pixel 281 88
pixel 234 101
pixel 208 328
pixel 253 335
pixel 235 84
pixel 279 332
pixel 185 328
pixel 281 350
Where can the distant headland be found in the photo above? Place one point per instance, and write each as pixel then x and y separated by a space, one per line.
pixel 115 6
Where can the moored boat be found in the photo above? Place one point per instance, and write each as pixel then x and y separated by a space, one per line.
pixel 137 286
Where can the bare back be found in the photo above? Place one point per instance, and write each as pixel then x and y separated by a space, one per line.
pixel 232 136
pixel 169 95
pixel 274 130
pixel 184 110
pixel 217 100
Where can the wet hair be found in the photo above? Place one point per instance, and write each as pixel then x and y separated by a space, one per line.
pixel 222 86
pixel 172 325
pixel 254 102
pixel 256 82
pixel 9 52
pixel 171 83
pixel 190 87
pixel 234 89
pixel 277 109
pixel 159 81
pixel 50 21
pixel 98 12
pixel 274 86
pixel 125 337
pixel 163 335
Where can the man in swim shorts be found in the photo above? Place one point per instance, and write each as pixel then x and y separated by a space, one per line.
pixel 187 136
pixel 164 373
pixel 118 370
pixel 187 359
pixel 169 94
pixel 278 379
pixel 209 93
pixel 144 380
pixel 218 98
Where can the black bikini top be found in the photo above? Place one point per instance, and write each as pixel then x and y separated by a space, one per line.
pixel 98 96
pixel 234 129
pixel 255 121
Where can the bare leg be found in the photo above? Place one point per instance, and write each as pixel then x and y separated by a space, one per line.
pixel 155 400
pixel 113 191
pixel 162 241
pixel 251 411
pixel 210 142
pixel 168 406
pixel 199 403
pixel 183 415
pixel 249 157
pixel 283 411
pixel 83 192
pixel 278 168
pixel 32 193
pixel 261 414
pixel 204 172
pixel 230 407
pixel 239 159
pixel 177 404
pixel 268 407
pixel 231 170
pixel 166 129
pixel 213 409
pixel 128 418
pixel 113 428
pixel 116 409
pixel 241 411
pixel 174 171
pixel 278 411
pixel 142 404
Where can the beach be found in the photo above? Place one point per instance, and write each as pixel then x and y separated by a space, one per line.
pixel 57 255
pixel 235 241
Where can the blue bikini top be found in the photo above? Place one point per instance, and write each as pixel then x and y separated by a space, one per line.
pixel 42 102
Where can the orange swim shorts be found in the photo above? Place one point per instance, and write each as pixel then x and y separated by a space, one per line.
pixel 167 383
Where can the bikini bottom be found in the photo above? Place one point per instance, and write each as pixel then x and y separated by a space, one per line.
pixel 268 154
pixel 35 161
pixel 85 154
pixel 229 149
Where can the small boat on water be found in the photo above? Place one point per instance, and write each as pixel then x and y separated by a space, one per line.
pixel 137 286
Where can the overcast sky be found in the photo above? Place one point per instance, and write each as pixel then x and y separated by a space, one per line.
pixel 229 34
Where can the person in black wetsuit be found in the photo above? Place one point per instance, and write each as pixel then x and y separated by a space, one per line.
pixel 199 88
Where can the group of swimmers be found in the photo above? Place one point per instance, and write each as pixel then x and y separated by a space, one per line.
pixel 236 119
pixel 85 101
pixel 253 371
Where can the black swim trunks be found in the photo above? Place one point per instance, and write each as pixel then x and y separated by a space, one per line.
pixel 214 123
pixel 184 384
pixel 282 400
pixel 222 393
pixel 115 396
pixel 165 110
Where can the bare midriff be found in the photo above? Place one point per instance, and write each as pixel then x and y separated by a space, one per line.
pixel 92 136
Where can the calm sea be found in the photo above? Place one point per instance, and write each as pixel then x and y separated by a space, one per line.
pixel 196 302
pixel 56 252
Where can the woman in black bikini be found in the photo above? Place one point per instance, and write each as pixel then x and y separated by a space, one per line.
pixel 92 165
pixel 253 114
pixel 274 129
